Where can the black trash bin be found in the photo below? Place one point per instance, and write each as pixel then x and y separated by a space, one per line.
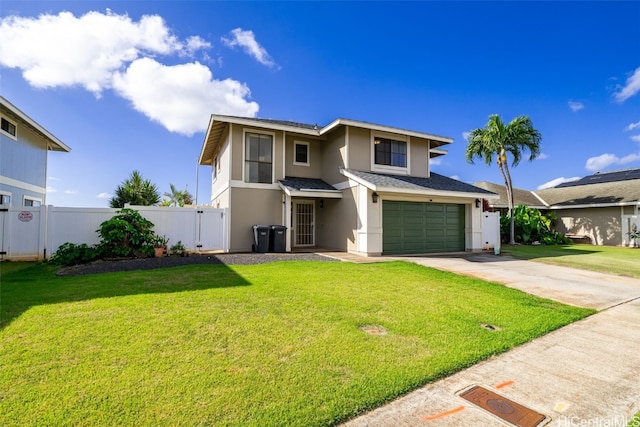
pixel 261 235
pixel 278 239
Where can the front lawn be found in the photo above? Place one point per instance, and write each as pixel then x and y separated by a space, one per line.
pixel 604 259
pixel 288 343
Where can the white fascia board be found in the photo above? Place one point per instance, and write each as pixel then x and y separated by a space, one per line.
pixel 260 124
pixel 206 138
pixel 381 128
pixel 436 152
pixel 395 190
pixel 28 120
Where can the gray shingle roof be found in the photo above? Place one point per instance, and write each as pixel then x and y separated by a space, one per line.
pixel 520 196
pixel 435 182
pixel 606 193
pixel 301 184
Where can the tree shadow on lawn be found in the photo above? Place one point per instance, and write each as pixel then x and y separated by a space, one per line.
pixel 38 284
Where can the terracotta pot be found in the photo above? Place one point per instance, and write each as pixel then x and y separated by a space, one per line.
pixel 159 252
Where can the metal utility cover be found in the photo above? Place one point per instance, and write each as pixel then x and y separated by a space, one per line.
pixel 502 407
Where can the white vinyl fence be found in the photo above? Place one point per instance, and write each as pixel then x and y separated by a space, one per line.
pixel 491 231
pixel 28 233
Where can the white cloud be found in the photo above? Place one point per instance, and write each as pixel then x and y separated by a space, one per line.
pixel 247 41
pixel 456 177
pixel 557 181
pixel 631 87
pixel 104 196
pixel 181 97
pixel 51 190
pixel 70 191
pixel 603 161
pixel 542 156
pixel 465 135
pixel 635 138
pixel 65 50
pixel 576 106
pixel 100 51
pixel 632 126
pixel 435 161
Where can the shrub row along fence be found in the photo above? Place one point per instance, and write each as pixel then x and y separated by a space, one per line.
pixel 35 233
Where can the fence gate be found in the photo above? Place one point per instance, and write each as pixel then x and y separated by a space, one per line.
pixel 211 229
pixel 4 213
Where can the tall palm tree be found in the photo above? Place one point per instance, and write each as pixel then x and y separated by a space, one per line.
pixel 499 139
pixel 136 191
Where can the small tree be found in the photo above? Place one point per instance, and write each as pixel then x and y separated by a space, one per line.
pixel 127 234
pixel 177 197
pixel 136 191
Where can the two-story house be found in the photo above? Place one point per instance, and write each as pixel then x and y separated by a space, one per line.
pixel 348 186
pixel 23 157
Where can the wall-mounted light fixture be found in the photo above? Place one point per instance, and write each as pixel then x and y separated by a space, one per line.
pixel 321 203
pixel 477 203
pixel 374 197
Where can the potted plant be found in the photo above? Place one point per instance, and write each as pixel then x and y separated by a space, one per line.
pixel 160 245
pixel 634 234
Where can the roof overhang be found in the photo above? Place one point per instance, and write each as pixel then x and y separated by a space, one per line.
pixel 53 143
pixel 311 193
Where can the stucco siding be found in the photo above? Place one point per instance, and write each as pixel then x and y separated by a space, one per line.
pixel 359 149
pixel 314 169
pixel 334 157
pixel 250 207
pixel 337 222
pixel 602 225
pixel 419 149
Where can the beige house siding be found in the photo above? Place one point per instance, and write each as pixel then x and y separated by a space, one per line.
pixel 602 225
pixel 337 223
pixel 334 157
pixel 359 149
pixel 250 207
pixel 419 149
pixel 314 170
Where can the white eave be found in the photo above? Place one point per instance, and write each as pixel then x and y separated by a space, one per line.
pixel 55 143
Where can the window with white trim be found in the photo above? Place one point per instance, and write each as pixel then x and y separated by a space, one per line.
pixel 5 198
pixel 8 127
pixel 301 153
pixel 390 152
pixel 28 201
pixel 258 155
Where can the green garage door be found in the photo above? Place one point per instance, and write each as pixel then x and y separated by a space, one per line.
pixel 410 227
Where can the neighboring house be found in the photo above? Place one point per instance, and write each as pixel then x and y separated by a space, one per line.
pixel 348 186
pixel 601 207
pixel 23 157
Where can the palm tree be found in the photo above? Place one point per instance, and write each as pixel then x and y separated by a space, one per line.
pixel 177 197
pixel 136 191
pixel 499 139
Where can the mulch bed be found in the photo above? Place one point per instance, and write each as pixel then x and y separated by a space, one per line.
pixel 110 266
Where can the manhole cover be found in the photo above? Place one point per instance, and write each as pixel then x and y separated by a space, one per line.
pixel 502 407
pixel 373 329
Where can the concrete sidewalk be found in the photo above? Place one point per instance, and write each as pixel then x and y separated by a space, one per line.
pixel 585 374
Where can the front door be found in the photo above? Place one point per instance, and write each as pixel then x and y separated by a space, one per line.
pixel 303 223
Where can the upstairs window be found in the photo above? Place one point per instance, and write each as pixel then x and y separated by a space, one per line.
pixel 8 127
pixel 258 155
pixel 301 153
pixel 5 199
pixel 28 201
pixel 390 152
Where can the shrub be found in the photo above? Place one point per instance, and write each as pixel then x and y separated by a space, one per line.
pixel 72 254
pixel 178 249
pixel 531 225
pixel 127 234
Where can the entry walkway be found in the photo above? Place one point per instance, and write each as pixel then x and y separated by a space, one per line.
pixel 585 374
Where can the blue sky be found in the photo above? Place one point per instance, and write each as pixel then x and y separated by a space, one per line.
pixel 130 85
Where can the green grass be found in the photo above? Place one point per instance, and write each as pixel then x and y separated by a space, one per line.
pixel 604 259
pixel 635 421
pixel 263 345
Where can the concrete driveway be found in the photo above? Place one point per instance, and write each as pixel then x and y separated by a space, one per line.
pixel 570 286
pixel 585 374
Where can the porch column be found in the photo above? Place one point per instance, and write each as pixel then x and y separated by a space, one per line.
pixel 286 219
